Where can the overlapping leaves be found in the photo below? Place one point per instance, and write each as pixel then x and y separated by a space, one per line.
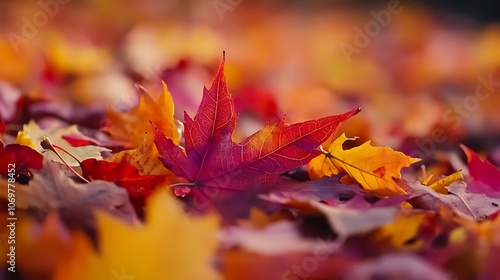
pixel 212 160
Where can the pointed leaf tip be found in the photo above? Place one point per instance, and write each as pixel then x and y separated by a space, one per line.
pixel 262 157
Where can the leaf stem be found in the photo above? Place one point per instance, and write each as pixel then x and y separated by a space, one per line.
pixel 332 157
pixel 193 184
pixel 46 144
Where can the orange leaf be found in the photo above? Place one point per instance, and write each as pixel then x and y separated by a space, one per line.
pixel 372 167
pixel 133 126
pixel 168 246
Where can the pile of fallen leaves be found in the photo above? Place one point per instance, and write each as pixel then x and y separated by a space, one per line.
pixel 150 197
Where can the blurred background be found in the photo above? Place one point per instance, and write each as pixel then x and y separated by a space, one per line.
pixel 426 73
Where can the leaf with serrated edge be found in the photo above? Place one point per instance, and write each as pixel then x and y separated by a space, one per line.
pixel 372 167
pixel 212 160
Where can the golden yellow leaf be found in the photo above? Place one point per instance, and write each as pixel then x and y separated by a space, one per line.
pixel 441 184
pixel 372 167
pixel 134 126
pixel 169 246
pixel 145 156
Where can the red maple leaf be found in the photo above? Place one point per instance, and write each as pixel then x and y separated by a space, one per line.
pixel 212 160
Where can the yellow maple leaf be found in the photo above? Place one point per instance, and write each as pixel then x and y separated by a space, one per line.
pixel 441 184
pixel 144 158
pixel 372 167
pixel 134 126
pixel 169 246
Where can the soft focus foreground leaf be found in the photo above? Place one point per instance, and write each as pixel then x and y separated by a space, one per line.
pixel 404 228
pixel 372 167
pixel 348 222
pixel 133 126
pixel 242 265
pixel 277 238
pixel 49 241
pixel 396 266
pixel 168 246
pixel 211 159
pixel 32 134
pixel 490 241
